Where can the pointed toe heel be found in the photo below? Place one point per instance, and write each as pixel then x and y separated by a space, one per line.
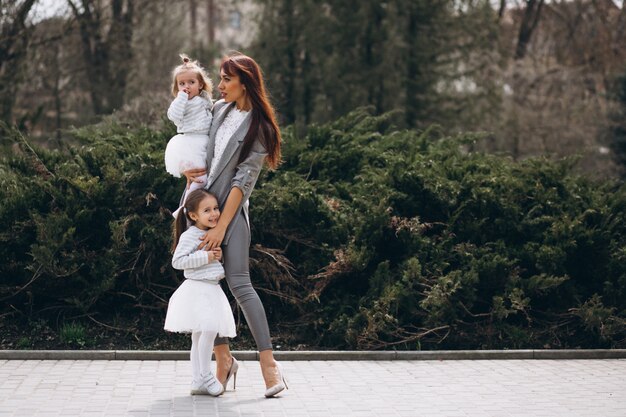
pixel 281 386
pixel 232 372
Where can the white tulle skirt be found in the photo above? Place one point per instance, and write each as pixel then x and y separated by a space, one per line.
pixel 185 152
pixel 200 306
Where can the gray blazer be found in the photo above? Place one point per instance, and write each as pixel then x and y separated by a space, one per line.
pixel 229 173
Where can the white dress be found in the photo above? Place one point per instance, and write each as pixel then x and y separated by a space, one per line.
pixel 200 306
pixel 199 303
pixel 184 152
pixel 192 118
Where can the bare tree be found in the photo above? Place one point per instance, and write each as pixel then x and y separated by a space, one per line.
pixel 501 9
pixel 106 37
pixel 14 38
pixel 528 25
pixel 211 19
pixel 620 30
pixel 193 14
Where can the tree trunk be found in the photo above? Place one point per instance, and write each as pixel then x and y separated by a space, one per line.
pixel 193 15
pixel 107 60
pixel 620 30
pixel 501 9
pixel 527 27
pixel 14 39
pixel 210 8
pixel 119 40
pixel 412 66
pixel 290 85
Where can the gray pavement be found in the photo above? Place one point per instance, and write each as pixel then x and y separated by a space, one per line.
pixel 502 388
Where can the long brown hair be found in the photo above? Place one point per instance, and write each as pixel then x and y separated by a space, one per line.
pixel 264 125
pixel 191 205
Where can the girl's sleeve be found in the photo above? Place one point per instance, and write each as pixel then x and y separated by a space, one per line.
pixel 204 121
pixel 176 110
pixel 187 255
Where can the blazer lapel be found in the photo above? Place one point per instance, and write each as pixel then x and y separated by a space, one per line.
pixel 233 144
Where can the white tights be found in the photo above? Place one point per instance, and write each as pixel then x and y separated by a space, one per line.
pixel 201 351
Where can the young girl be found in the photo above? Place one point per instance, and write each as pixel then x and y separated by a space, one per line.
pixel 199 306
pixel 191 113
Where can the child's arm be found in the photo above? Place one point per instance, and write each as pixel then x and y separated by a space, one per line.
pixel 199 116
pixel 176 110
pixel 186 255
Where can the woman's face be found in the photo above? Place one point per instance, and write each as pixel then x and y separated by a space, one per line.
pixel 230 87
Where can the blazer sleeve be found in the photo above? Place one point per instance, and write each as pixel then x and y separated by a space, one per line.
pixel 248 170
pixel 186 255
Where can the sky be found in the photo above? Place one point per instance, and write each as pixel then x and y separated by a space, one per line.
pixel 48 8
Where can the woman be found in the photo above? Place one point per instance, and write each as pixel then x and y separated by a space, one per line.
pixel 243 135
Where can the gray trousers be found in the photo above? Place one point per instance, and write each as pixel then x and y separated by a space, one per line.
pixel 237 267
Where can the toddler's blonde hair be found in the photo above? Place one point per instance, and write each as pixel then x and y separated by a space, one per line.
pixel 193 66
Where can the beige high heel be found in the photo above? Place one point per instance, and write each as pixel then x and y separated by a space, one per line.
pixel 234 368
pixel 282 384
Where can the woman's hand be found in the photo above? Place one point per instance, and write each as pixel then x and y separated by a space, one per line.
pixel 193 174
pixel 212 239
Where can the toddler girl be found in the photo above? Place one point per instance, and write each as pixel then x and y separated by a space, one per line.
pixel 191 113
pixel 199 306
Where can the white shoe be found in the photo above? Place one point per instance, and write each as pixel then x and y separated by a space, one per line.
pixel 281 386
pixel 195 387
pixel 209 386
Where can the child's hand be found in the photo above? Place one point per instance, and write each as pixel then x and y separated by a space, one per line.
pixel 217 252
pixel 211 255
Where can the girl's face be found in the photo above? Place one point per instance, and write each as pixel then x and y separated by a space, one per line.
pixel 231 88
pixel 207 214
pixel 189 82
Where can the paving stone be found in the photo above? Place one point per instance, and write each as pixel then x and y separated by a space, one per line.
pixel 345 388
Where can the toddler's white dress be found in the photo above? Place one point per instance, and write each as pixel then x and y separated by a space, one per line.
pixel 199 303
pixel 188 148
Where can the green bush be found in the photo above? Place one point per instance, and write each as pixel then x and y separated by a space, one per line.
pixel 86 229
pixel 366 237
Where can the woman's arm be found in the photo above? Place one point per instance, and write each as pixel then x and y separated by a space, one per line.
pixel 214 237
pixel 192 176
pixel 242 185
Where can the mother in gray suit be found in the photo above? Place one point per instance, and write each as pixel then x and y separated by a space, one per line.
pixel 244 135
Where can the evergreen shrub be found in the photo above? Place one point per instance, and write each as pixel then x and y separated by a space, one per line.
pixel 366 237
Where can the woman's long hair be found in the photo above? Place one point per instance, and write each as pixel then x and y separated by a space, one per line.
pixel 191 204
pixel 264 125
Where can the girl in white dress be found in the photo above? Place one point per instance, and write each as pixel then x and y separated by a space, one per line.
pixel 199 306
pixel 191 113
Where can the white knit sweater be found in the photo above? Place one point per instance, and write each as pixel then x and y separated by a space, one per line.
pixel 194 262
pixel 191 116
